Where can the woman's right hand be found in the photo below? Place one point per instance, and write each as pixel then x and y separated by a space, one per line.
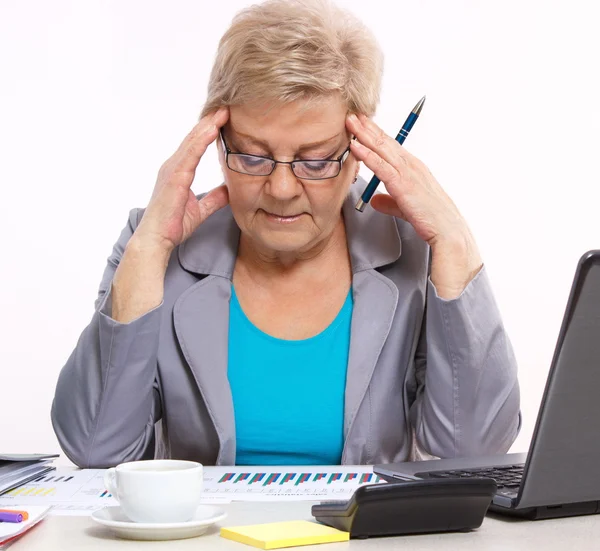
pixel 173 212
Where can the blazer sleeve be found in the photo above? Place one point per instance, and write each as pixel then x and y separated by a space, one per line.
pixel 467 393
pixel 107 396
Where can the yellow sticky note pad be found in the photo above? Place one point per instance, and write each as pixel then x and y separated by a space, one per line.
pixel 275 535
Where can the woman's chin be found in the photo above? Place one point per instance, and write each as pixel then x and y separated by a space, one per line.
pixel 285 241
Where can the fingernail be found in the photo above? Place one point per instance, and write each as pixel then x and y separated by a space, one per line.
pixel 357 145
pixel 353 118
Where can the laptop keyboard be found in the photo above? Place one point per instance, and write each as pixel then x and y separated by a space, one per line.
pixel 507 478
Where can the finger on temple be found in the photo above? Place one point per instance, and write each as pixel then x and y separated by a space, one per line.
pixel 389 149
pixel 378 164
pixel 197 141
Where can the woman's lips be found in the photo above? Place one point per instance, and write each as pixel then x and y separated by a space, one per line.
pixel 282 219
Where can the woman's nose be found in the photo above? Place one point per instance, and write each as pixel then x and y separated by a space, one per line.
pixel 283 184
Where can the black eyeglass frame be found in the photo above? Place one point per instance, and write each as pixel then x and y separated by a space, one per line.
pixel 340 161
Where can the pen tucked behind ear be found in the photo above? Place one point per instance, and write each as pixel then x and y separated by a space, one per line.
pixel 402 134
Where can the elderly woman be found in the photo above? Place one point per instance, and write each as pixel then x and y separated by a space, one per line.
pixel 269 322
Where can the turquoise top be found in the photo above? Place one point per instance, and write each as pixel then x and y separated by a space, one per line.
pixel 288 395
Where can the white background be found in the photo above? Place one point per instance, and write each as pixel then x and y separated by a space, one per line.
pixel 95 95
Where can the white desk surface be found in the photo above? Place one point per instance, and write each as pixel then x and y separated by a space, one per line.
pixel 63 533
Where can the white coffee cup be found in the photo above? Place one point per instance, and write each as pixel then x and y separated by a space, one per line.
pixel 160 490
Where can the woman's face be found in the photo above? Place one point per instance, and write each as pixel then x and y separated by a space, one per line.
pixel 280 212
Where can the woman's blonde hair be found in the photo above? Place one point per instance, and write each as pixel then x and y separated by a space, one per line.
pixel 280 51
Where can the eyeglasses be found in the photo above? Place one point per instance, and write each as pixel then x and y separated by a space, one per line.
pixel 306 169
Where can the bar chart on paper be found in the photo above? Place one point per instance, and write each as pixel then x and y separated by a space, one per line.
pixel 56 486
pixel 288 483
pixel 69 492
pixel 81 492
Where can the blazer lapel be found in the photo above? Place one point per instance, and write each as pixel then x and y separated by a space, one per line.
pixel 375 301
pixel 201 318
pixel 373 241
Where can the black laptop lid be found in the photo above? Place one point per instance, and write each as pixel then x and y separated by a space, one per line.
pixel 563 464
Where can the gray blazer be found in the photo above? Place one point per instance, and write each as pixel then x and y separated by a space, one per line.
pixel 424 373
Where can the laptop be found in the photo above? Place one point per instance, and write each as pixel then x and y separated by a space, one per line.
pixel 560 474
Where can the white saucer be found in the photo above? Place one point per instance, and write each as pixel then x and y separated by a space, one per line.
pixel 115 519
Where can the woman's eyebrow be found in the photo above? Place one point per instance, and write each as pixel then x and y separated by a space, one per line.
pixel 305 147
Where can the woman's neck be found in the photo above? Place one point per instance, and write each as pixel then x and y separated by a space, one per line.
pixel 320 263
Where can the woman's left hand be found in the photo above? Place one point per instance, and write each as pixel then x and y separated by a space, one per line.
pixel 414 194
pixel 417 197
